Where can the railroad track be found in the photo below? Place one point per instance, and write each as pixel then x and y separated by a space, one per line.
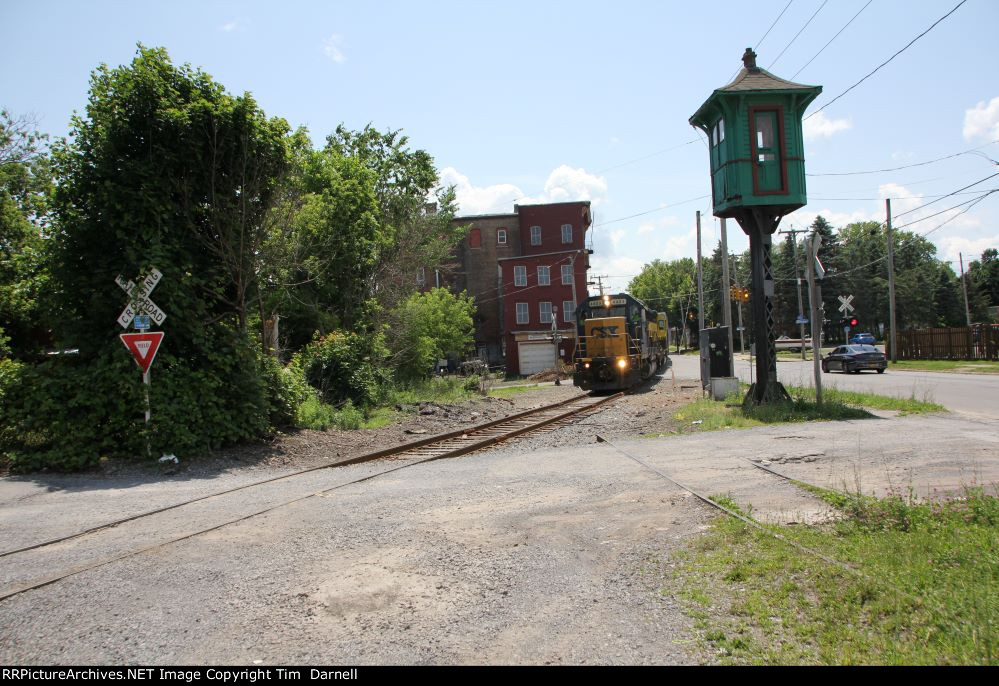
pixel 437 447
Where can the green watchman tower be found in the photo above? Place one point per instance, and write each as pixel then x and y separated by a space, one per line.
pixel 754 129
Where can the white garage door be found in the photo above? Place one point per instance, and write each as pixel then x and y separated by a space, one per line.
pixel 536 357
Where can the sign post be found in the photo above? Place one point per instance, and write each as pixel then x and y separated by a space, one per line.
pixel 140 312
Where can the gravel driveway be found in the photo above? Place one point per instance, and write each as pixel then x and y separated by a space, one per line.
pixel 490 558
pixel 549 549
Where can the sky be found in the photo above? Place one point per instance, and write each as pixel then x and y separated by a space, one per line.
pixel 545 101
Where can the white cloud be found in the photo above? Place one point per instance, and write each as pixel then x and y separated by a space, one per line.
pixel 471 199
pixel 616 236
pixel 681 245
pixel 234 25
pixel 567 183
pixel 972 248
pixel 331 48
pixel 819 126
pixel 903 200
pixel 982 121
pixel 564 184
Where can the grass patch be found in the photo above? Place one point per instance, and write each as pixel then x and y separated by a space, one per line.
pixel 711 415
pixel 910 405
pixel 317 415
pixel 507 391
pixel 960 366
pixel 926 594
pixel 434 390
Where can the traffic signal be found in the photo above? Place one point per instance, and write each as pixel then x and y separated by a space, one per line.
pixel 740 294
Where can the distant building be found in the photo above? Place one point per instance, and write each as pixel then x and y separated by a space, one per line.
pixel 522 268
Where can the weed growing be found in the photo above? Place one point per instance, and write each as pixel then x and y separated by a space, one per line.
pixel 925 591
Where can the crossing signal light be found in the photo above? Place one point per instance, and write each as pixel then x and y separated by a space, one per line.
pixel 739 293
pixel 854 321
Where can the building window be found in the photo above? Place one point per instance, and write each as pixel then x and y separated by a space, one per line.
pixel 718 133
pixel 546 312
pixel 567 233
pixel 421 276
pixel 535 235
pixel 568 311
pixel 544 276
pixel 501 236
pixel 566 274
pixel 475 238
pixel 520 276
pixel 523 314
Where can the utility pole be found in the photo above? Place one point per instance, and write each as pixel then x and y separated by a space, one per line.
pixel 700 280
pixel 727 296
pixel 964 285
pixel 815 301
pixel 555 340
pixel 801 313
pixel 891 284
pixel 600 284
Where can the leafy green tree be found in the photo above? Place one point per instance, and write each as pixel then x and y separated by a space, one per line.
pixel 947 298
pixel 322 252
pixel 167 170
pixel 25 186
pixel 670 287
pixel 416 228
pixel 430 326
pixel 985 275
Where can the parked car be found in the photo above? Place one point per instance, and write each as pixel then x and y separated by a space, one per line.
pixel 862 338
pixel 854 358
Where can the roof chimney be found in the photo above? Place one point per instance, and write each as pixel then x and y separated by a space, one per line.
pixel 749 60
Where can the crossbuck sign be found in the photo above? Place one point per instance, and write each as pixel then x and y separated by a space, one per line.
pixel 846 308
pixel 139 302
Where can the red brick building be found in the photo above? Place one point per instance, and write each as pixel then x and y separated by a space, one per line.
pixel 521 268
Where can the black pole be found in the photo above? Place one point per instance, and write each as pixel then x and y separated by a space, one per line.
pixel 760 226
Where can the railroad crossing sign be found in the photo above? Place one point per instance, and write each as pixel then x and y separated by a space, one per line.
pixel 143 347
pixel 139 302
pixel 846 308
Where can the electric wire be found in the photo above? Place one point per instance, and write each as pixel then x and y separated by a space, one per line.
pixel 909 166
pixel 798 34
pixel 878 68
pixel 832 39
pixel 760 42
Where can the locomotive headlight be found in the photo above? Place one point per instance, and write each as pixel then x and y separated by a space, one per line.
pixel 622 363
pixel 586 365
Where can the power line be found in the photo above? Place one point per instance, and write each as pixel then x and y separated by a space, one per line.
pixel 878 68
pixel 645 157
pixel 890 197
pixel 958 191
pixel 832 39
pixel 658 209
pixel 798 34
pixel 908 166
pixel 973 201
pixel 760 42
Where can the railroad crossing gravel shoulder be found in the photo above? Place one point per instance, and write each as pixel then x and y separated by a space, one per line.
pixel 488 558
pixel 551 549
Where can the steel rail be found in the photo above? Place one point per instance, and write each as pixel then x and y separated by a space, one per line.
pixel 462 448
pixel 367 457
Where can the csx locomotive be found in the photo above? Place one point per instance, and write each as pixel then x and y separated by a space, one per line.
pixel 621 342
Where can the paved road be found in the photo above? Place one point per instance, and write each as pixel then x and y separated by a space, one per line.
pixel 976 394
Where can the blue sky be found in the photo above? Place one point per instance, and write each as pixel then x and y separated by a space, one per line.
pixel 551 100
